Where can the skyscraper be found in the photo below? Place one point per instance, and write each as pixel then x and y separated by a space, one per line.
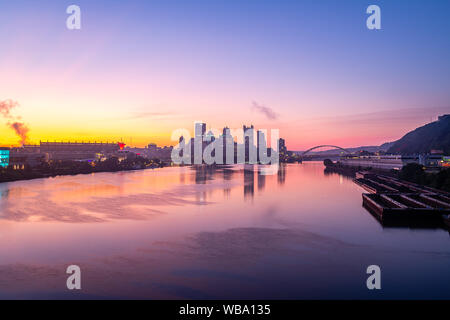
pixel 200 129
pixel 199 144
pixel 250 155
pixel 282 151
pixel 261 144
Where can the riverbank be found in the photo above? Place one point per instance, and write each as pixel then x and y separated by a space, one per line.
pixel 351 171
pixel 71 168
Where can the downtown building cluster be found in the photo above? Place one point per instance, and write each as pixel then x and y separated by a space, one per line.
pixel 242 146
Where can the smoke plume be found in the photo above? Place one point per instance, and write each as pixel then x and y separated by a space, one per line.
pixel 6 106
pixel 266 111
pixel 20 128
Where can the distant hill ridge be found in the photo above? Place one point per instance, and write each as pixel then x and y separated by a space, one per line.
pixel 432 136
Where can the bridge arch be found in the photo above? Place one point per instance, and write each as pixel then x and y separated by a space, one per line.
pixel 325 145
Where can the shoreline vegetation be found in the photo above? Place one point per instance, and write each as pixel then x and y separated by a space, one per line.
pixel 70 167
pixel 412 172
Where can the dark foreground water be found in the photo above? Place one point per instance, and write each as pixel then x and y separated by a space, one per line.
pixel 203 234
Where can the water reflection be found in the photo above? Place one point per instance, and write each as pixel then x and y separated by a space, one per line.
pixel 91 199
pixel 249 182
pixel 261 181
pixel 347 174
pixel 210 173
pixel 281 174
pixel 190 232
pixel 227 176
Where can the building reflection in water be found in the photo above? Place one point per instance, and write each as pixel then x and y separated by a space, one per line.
pixel 261 181
pixel 281 173
pixel 201 174
pixel 227 176
pixel 182 177
pixel 249 181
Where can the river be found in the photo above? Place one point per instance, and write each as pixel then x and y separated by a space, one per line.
pixel 185 233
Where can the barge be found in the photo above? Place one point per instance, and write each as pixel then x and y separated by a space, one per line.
pixel 375 183
pixel 393 200
pixel 405 206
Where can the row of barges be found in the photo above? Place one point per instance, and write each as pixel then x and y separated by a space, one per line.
pixel 390 199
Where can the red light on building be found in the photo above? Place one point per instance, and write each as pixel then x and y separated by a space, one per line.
pixel 121 145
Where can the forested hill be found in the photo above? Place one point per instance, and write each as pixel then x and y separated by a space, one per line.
pixel 432 136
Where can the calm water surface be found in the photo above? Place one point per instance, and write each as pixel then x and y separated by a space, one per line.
pixel 204 234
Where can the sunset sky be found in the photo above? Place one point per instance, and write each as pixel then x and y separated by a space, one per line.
pixel 137 70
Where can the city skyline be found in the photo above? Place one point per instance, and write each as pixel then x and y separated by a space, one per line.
pixel 144 69
pixel 144 142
